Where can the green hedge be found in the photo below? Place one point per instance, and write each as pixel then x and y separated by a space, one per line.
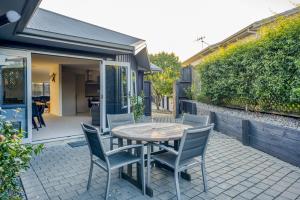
pixel 261 73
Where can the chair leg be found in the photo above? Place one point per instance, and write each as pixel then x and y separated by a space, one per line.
pixel 34 124
pixel 111 144
pixel 204 176
pixel 177 185
pixel 107 184
pixel 90 175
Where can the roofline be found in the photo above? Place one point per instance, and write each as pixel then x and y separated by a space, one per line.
pixel 70 41
pixel 34 33
pixel 250 29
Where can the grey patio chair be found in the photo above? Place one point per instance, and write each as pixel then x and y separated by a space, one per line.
pixel 115 120
pixel 193 145
pixel 195 120
pixel 110 160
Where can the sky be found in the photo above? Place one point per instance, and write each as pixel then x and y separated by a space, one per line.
pixel 171 25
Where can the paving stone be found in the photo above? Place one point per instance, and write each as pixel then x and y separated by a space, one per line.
pixel 263 197
pixel 232 192
pixel 234 172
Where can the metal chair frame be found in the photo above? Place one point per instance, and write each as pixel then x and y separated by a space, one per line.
pixel 105 162
pixel 195 120
pixel 179 167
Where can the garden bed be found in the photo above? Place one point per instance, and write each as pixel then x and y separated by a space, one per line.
pixel 276 135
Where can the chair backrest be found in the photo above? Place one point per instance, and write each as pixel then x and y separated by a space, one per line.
pixel 119 120
pixel 94 142
pixel 195 120
pixel 194 143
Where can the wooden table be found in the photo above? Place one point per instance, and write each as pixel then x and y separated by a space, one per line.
pixel 148 132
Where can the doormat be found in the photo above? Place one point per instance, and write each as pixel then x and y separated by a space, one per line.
pixel 77 144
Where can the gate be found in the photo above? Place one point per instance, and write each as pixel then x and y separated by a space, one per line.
pixel 147 98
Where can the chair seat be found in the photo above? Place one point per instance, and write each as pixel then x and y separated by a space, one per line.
pixel 121 159
pixel 169 159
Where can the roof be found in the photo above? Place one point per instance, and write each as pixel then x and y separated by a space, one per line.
pixel 51 22
pixel 43 28
pixel 155 68
pixel 245 32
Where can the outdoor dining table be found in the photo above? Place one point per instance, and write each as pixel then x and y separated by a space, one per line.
pixel 149 133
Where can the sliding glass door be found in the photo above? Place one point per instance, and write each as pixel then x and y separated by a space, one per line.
pixel 14 99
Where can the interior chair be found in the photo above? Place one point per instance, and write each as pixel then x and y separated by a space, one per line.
pixel 195 120
pixel 191 152
pixel 35 114
pixel 110 160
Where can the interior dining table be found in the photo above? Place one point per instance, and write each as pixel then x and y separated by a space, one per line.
pixel 149 133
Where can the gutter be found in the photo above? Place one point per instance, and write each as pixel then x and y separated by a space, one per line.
pixel 52 37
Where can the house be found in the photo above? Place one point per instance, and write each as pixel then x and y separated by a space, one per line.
pixel 80 71
pixel 245 33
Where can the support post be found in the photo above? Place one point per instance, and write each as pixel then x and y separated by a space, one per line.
pixel 175 100
pixel 212 118
pixel 246 132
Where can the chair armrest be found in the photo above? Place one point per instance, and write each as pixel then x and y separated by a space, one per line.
pixel 108 153
pixel 166 148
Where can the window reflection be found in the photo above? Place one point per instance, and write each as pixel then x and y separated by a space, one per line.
pixel 124 87
pixel 12 75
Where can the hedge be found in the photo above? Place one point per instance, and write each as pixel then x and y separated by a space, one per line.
pixel 261 73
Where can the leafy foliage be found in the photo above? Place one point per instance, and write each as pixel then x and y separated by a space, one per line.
pixel 162 82
pixel 138 106
pixel 14 158
pixel 260 73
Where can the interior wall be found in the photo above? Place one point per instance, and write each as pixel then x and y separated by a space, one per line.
pixel 41 72
pixel 40 77
pixel 68 92
pixel 73 90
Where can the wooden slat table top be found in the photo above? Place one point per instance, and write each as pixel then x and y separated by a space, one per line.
pixel 151 132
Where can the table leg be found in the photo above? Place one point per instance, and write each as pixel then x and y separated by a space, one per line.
pixel 129 167
pixel 149 190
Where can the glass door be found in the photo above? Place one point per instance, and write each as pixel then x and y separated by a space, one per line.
pixel 115 89
pixel 14 88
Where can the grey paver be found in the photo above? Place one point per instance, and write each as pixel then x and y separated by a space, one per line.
pixel 234 172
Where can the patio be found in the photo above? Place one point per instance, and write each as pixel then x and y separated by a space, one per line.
pixel 234 172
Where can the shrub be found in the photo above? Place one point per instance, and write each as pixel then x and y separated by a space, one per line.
pixel 14 158
pixel 138 106
pixel 262 73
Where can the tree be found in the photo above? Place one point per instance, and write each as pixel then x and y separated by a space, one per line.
pixel 162 82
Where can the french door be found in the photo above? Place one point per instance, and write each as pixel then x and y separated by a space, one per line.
pixel 123 88
pixel 15 89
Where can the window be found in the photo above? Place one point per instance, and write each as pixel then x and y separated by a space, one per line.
pixel 124 87
pixel 40 89
pixel 13 82
pixel 133 85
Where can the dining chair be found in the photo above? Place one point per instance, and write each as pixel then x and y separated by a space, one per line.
pixel 35 114
pixel 195 120
pixel 115 120
pixel 110 160
pixel 191 152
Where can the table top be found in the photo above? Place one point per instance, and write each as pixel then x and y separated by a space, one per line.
pixel 150 132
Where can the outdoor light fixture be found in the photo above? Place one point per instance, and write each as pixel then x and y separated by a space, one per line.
pixel 9 17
